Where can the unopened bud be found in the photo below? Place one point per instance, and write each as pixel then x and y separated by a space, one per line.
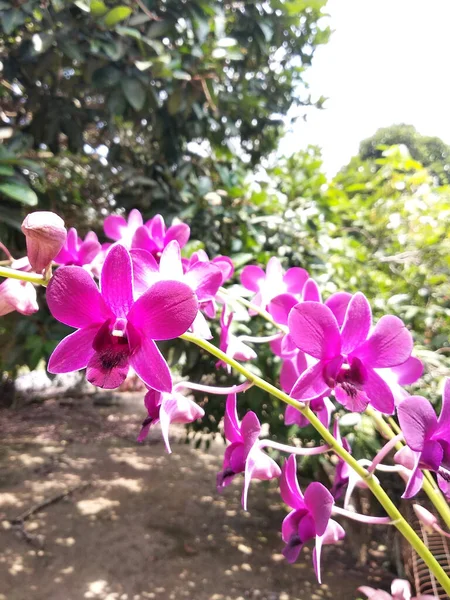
pixel 46 235
pixel 424 515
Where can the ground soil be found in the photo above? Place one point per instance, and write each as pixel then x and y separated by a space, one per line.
pixel 138 523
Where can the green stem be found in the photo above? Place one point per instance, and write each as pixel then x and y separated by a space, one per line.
pixel 398 520
pixel 429 485
pixel 23 276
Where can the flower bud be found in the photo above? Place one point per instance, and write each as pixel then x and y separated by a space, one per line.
pixel 424 515
pixel 46 235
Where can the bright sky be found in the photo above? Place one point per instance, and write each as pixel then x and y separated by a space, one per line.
pixel 388 61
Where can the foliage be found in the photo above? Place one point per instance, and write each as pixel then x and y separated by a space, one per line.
pixel 431 151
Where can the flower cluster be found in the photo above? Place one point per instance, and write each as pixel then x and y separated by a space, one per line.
pixel 123 297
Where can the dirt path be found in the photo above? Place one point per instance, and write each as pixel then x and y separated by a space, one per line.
pixel 147 525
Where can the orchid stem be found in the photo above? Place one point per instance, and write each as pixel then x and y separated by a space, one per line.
pixel 23 276
pixel 398 520
pixel 209 389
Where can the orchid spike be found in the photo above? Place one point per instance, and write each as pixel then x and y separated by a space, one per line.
pixel 273 281
pixel 45 234
pixel 348 356
pixel 77 251
pixel 120 230
pixel 114 331
pixel 18 295
pixel 427 435
pixel 310 518
pixel 243 437
pixel 166 408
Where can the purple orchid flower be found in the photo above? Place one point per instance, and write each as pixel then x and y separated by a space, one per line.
pixel 204 278
pixel 18 295
pixel 310 519
pixel 244 440
pixel 120 230
pixel 166 408
pixel 273 281
pixel 427 436
pixel 114 331
pixel 348 356
pixel 154 236
pixel 230 344
pixel 77 251
pixel 400 590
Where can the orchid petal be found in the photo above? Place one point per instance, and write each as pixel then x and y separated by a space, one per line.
pixel 311 292
pixel 357 323
pixel 205 279
pixel 232 426
pixel 117 281
pixel 280 307
pixel 338 303
pixel 314 329
pixel 170 265
pixel 417 420
pixel 18 295
pixel 73 352
pixel 444 417
pixel 106 374
pixel 319 502
pixel 151 366
pixel 378 392
pixel 251 277
pixel 295 279
pixel 310 384
pixel 390 344
pixel 74 299
pixel 113 226
pixel 165 311
pixel 135 219
pixel 317 552
pixel 289 489
pixel 408 372
pixel 145 270
pixel 250 430
pixel 179 232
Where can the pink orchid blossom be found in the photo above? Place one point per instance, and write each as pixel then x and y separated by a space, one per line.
pixel 77 251
pixel 114 331
pixel 226 267
pixel 348 356
pixel 400 590
pixel 203 278
pixel 166 408
pixel 310 518
pixel 273 281
pixel 120 230
pixel 243 437
pixel 45 235
pixel 18 295
pixel 231 344
pixel 427 436
pixel 154 236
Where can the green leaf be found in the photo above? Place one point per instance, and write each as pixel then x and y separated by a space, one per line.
pixel 116 15
pixel 174 103
pixel 134 92
pixel 12 19
pixel 18 192
pixel 117 102
pixel 181 75
pixel 106 77
pixel 130 31
pixel 98 8
pixel 6 171
pixel 71 50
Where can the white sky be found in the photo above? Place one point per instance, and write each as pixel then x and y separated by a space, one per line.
pixel 388 61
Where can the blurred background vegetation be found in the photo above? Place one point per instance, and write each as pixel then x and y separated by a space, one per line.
pixel 177 107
